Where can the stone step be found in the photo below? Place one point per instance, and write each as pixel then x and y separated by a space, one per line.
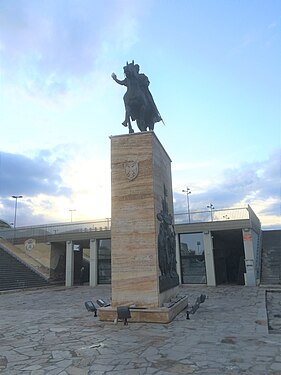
pixel 16 275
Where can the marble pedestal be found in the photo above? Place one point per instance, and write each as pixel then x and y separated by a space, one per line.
pixel 142 198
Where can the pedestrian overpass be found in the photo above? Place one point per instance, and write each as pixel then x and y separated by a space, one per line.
pixel 210 245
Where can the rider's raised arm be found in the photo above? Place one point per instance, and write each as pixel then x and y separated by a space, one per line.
pixel 123 82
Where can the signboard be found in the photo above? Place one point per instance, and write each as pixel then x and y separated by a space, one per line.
pixel 247 236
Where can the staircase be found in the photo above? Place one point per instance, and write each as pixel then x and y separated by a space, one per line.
pixel 271 258
pixel 14 274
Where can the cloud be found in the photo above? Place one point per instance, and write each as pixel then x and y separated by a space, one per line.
pixel 89 177
pixel 20 174
pixel 51 185
pixel 270 177
pixel 53 34
pixel 39 180
pixel 44 45
pixel 52 182
pixel 256 184
pixel 30 210
pixel 47 47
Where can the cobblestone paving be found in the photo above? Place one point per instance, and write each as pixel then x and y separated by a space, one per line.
pixel 49 331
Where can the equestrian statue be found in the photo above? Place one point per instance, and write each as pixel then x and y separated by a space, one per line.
pixel 139 103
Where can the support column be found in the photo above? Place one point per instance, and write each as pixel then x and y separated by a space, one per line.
pixel 69 264
pixel 250 278
pixel 209 258
pixel 178 258
pixel 93 262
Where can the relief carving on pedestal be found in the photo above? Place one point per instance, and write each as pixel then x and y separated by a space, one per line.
pixel 167 248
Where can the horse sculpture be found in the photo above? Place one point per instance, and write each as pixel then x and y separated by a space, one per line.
pixel 138 101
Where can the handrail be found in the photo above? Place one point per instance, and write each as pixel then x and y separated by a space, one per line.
pixel 50 230
pixel 216 215
pixel 47 230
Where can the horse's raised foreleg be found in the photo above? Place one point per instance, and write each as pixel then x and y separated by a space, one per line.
pixel 127 122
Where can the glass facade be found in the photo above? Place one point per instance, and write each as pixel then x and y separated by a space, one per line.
pixel 193 269
pixel 104 262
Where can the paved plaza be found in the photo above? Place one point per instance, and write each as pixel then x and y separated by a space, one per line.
pixel 49 331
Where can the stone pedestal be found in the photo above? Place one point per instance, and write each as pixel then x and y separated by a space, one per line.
pixel 142 234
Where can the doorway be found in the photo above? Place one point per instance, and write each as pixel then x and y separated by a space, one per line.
pixel 193 268
pixel 229 257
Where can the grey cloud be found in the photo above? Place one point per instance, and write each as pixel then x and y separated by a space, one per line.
pixel 25 212
pixel 29 177
pixel 273 209
pixel 259 179
pixel 22 175
pixel 25 215
pixel 270 177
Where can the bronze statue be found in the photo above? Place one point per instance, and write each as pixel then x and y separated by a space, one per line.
pixel 139 103
pixel 167 248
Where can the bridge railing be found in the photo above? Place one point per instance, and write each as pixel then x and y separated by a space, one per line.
pixel 212 215
pixel 50 230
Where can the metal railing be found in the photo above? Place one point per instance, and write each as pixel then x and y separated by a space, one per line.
pixel 213 215
pixel 50 230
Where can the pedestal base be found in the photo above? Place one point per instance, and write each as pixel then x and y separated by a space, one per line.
pixel 143 246
pixel 146 315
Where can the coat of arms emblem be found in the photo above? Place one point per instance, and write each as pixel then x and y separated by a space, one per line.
pixel 29 244
pixel 131 169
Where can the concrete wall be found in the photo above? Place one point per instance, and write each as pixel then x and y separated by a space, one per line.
pixel 41 252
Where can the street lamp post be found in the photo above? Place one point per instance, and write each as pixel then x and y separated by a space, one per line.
pixel 187 191
pixel 71 214
pixel 16 197
pixel 211 207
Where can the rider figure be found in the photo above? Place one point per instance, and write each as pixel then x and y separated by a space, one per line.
pixel 144 83
pixel 143 86
pixel 123 82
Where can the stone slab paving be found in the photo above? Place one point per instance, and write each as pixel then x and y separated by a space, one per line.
pixel 273 301
pixel 49 331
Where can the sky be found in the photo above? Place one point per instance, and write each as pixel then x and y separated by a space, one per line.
pixel 215 75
